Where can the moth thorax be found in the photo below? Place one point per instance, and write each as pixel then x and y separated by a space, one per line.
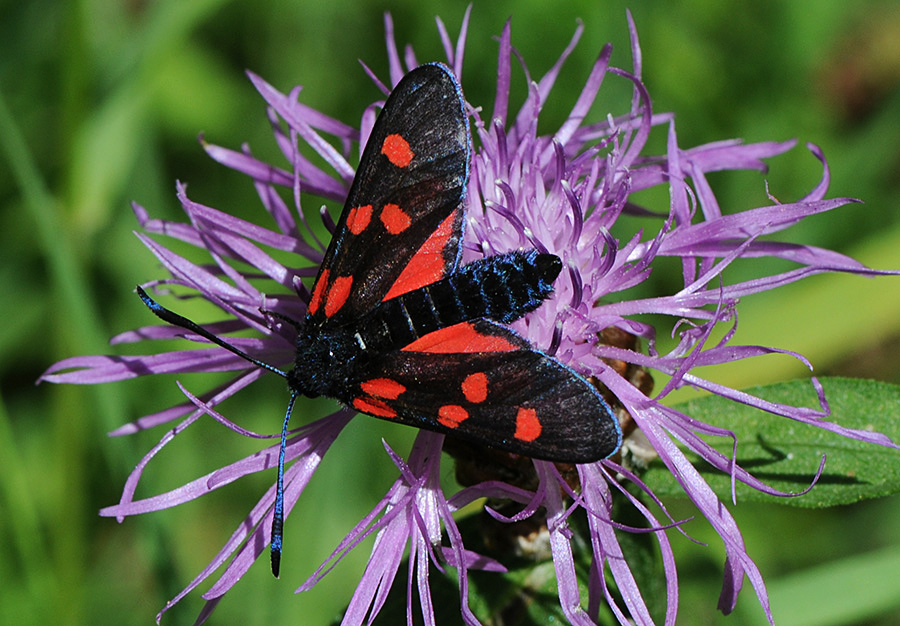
pixel 325 361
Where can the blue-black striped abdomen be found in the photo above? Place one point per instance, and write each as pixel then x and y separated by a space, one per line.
pixel 502 288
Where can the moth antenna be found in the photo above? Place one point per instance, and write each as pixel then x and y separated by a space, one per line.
pixel 177 320
pixel 284 318
pixel 278 509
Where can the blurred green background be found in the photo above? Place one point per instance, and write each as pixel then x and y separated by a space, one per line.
pixel 100 104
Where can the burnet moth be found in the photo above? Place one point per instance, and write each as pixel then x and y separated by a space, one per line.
pixel 395 328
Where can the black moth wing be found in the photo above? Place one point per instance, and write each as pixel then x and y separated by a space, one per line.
pixel 576 424
pixel 427 110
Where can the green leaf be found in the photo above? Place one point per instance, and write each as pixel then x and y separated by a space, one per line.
pixel 785 454
pixel 847 591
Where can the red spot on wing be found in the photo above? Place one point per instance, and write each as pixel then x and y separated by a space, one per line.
pixel 359 218
pixel 395 219
pixel 460 338
pixel 318 291
pixel 528 426
pixel 337 294
pixel 373 407
pixel 383 388
pixel 397 150
pixel 474 387
pixel 428 264
pixel 452 415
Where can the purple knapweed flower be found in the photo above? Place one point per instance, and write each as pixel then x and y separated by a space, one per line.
pixel 562 192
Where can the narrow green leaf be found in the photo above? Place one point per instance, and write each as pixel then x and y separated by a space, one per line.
pixel 840 592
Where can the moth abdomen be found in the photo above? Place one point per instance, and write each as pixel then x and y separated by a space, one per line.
pixel 507 286
pixel 502 288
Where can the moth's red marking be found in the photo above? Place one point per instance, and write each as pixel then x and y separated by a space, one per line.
pixel 395 219
pixel 318 291
pixel 373 407
pixel 528 426
pixel 474 387
pixel 358 218
pixel 337 294
pixel 452 415
pixel 459 338
pixel 397 150
pixel 383 388
pixel 428 264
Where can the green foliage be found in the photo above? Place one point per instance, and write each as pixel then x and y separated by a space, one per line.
pixel 786 454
